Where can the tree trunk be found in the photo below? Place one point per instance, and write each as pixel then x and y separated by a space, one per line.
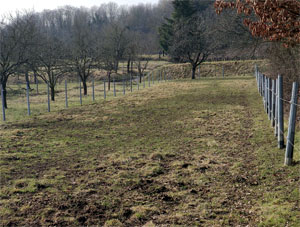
pixel 4 94
pixel 141 75
pixel 84 87
pixel 194 72
pixel 108 87
pixel 52 93
pixel 35 78
pixel 128 66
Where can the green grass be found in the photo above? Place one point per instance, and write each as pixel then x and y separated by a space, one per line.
pixel 179 153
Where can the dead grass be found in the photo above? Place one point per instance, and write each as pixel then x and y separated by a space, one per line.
pixel 178 153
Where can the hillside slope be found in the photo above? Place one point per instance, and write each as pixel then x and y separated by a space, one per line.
pixel 184 153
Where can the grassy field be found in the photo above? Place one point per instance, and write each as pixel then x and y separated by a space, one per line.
pixel 179 153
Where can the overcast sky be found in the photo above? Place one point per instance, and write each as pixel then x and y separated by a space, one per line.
pixel 38 5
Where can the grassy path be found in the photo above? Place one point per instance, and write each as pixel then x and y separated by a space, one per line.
pixel 180 153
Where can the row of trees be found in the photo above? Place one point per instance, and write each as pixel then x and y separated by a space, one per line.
pixel 78 41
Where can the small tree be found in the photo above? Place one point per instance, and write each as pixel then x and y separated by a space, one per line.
pixel 17 35
pixel 185 36
pixel 49 61
pixel 83 47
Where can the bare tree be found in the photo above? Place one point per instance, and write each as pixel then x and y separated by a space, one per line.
pixel 17 35
pixel 190 43
pixel 83 47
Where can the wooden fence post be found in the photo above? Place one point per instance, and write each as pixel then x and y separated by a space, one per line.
pixel 280 113
pixel 28 101
pixel 292 124
pixel 3 101
pixel 66 93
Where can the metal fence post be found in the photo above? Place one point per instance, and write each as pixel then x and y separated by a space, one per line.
pixel 130 83
pixel 3 101
pixel 144 85
pixel 152 77
pixel 273 103
pixel 280 113
pixel 292 124
pixel 93 89
pixel 149 80
pixel 28 101
pixel 123 86
pixel 270 98
pixel 66 93
pixel 37 86
pixel 276 109
pixel 223 71
pixel 80 95
pixel 48 94
pixel 104 89
pixel 115 94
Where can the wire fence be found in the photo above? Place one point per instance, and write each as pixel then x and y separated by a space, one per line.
pixel 33 99
pixel 271 91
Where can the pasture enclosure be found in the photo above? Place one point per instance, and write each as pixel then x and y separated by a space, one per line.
pixel 36 100
pixel 181 153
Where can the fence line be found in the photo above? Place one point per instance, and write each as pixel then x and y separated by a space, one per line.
pixel 150 76
pixel 272 94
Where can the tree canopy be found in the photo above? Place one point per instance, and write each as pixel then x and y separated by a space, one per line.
pixel 275 20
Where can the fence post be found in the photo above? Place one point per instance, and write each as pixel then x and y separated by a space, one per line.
pixel 130 83
pixel 270 98
pixel 258 76
pixel 138 84
pixel 123 86
pixel 265 93
pixel 37 86
pixel 149 80
pixel 66 93
pixel 292 124
pixel 3 106
pixel 80 95
pixel 115 94
pixel 152 77
pixel 223 74
pixel 280 113
pixel 28 101
pixel 144 85
pixel 104 89
pixel 48 94
pixel 276 109
pixel 93 89
pixel 164 75
pixel 273 103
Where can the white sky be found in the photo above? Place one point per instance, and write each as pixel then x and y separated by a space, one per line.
pixel 10 6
